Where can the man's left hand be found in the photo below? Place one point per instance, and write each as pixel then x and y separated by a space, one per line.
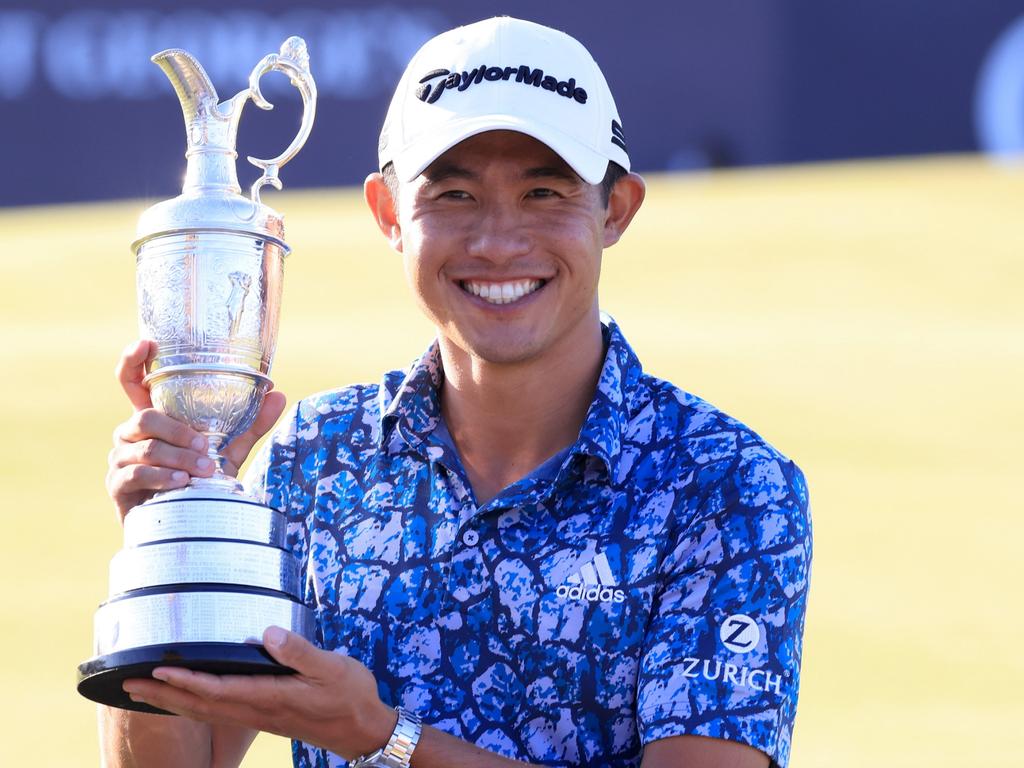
pixel 331 701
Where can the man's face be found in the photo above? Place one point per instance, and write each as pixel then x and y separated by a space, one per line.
pixel 502 245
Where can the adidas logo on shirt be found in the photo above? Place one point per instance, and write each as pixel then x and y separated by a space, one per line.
pixel 593 582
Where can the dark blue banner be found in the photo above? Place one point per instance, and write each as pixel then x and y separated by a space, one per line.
pixel 85 115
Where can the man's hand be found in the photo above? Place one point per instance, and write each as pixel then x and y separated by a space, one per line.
pixel 153 452
pixel 330 702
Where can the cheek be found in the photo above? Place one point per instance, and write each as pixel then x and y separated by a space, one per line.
pixel 580 241
pixel 424 279
pixel 412 253
pixel 414 272
pixel 582 222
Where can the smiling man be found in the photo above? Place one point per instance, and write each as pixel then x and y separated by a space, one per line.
pixel 523 548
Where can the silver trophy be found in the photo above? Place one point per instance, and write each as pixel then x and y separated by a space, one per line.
pixel 205 569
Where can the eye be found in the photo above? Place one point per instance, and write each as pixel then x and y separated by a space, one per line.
pixel 542 192
pixel 455 194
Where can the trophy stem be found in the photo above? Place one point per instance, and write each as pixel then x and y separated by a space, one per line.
pixel 220 480
pixel 215 445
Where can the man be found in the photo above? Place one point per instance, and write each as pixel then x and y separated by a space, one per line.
pixel 524 541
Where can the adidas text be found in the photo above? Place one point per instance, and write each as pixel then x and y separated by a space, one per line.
pixel 593 594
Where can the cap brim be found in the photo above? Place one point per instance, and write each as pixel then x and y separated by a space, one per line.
pixel 590 165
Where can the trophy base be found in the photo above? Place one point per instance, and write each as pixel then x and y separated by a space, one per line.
pixel 100 678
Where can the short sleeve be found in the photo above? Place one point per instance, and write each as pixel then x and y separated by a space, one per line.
pixel 722 653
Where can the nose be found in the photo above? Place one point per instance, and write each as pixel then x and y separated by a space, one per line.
pixel 500 234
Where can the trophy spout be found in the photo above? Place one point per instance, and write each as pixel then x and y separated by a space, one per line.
pixel 211 128
pixel 195 91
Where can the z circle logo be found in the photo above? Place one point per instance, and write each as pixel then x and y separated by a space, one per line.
pixel 740 633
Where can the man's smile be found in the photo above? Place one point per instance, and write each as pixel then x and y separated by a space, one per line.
pixel 504 292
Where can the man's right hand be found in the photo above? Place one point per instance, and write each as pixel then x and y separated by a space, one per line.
pixel 153 452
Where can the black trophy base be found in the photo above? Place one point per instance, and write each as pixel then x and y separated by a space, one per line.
pixel 101 677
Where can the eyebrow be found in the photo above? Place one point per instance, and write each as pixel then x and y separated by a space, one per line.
pixel 440 171
pixel 443 171
pixel 553 172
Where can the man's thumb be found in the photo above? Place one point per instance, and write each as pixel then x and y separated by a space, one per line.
pixel 289 649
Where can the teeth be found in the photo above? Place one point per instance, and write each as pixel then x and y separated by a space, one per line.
pixel 502 293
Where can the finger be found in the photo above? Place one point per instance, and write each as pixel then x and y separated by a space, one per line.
pixel 297 652
pixel 157 453
pixel 149 424
pixel 202 684
pixel 270 411
pixel 131 370
pixel 258 693
pixel 182 702
pixel 122 483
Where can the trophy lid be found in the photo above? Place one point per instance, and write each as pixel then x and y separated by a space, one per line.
pixel 209 211
pixel 211 198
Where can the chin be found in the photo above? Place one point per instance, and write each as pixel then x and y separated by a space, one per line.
pixel 501 356
pixel 502 351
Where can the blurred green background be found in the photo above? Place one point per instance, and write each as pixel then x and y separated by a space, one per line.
pixel 866 318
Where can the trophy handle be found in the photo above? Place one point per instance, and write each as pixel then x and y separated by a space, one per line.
pixel 293 60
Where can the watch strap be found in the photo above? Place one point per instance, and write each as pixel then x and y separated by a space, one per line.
pixel 398 751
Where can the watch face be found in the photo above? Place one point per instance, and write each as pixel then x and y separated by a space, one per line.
pixel 381 760
pixel 373 760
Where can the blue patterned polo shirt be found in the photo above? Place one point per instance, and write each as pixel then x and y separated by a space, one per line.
pixel 653 583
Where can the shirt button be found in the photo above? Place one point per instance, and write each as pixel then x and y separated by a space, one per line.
pixel 470 538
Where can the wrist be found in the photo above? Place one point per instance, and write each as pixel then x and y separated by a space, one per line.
pixel 396 750
pixel 372 728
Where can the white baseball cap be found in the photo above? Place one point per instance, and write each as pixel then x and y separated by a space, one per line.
pixel 503 74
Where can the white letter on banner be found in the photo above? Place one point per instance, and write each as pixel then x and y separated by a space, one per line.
pixel 19 37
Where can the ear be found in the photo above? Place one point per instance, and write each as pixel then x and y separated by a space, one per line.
pixel 623 203
pixel 383 208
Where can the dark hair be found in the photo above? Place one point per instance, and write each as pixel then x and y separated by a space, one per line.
pixel 611 176
pixel 391 181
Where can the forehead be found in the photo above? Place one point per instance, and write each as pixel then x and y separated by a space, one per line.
pixel 508 148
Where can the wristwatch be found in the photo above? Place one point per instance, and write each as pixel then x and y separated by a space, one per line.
pixel 398 751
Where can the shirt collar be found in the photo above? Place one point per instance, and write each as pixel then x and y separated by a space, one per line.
pixel 614 401
pixel 411 407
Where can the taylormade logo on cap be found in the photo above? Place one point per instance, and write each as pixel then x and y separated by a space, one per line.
pixel 430 91
pixel 503 74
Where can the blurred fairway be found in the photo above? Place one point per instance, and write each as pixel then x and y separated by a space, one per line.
pixel 866 318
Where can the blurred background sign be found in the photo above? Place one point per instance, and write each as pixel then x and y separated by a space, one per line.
pixel 85 115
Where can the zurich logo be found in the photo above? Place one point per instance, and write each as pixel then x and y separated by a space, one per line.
pixel 740 633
